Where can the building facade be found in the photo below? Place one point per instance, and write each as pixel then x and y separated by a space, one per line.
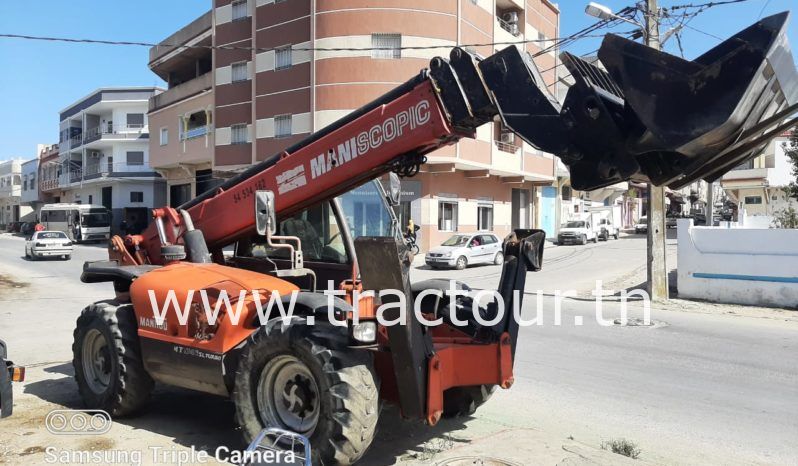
pixel 757 186
pixel 103 156
pixel 29 196
pixel 11 192
pixel 275 77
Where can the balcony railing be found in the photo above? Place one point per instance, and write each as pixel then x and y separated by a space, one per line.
pixel 507 147
pixel 195 132
pixel 117 131
pixel 46 185
pixel 512 28
pixel 75 175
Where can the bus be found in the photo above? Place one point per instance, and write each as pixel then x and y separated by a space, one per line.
pixel 81 222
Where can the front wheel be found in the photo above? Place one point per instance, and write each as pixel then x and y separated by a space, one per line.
pixel 305 379
pixel 415 249
pixel 461 263
pixel 583 239
pixel 107 359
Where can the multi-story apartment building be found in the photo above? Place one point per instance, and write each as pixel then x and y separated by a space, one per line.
pixel 275 77
pixel 29 196
pixel 758 184
pixel 11 192
pixel 181 118
pixel 103 156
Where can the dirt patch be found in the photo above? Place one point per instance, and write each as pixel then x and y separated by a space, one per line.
pixel 7 283
pixel 97 444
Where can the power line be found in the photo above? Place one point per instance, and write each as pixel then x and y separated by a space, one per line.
pixel 262 49
pixel 705 5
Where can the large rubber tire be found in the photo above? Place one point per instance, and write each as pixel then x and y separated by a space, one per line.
pixel 499 259
pixel 129 385
pixel 464 401
pixel 583 240
pixel 347 384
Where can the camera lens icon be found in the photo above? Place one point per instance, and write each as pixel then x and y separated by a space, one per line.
pixel 76 422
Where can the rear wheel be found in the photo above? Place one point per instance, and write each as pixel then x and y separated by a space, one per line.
pixel 305 379
pixel 499 259
pixel 107 359
pixel 464 401
pixel 461 263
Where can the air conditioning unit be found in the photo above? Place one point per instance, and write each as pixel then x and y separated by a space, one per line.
pixel 507 137
pixel 511 17
pixel 95 154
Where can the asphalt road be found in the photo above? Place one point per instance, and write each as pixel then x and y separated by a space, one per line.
pixel 697 388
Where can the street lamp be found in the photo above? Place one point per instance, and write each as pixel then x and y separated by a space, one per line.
pixel 603 12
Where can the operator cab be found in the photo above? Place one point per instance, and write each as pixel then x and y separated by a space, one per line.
pixel 326 232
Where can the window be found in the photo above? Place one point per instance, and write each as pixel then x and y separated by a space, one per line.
pixel 240 10
pixel 485 218
pixel 135 120
pixel 136 196
pixel 316 227
pixel 566 193
pixel 135 158
pixel 753 199
pixel 386 46
pixel 239 134
pixel 239 72
pixel 447 216
pixel 17 180
pixel 90 199
pixel 164 136
pixel 282 126
pixel 25 183
pixel 282 58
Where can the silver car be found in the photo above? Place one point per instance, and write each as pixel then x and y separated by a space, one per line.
pixel 48 244
pixel 462 250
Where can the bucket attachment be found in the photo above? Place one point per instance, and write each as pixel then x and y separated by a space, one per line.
pixel 642 114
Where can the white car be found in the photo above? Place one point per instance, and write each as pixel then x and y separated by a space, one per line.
pixel 462 250
pixel 48 244
pixel 642 225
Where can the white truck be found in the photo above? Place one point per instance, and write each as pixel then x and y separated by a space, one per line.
pixel 579 230
pixel 608 221
pixel 81 222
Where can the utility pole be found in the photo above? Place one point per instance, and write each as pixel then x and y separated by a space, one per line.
pixel 657 269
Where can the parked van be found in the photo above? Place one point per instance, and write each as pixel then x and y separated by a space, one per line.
pixel 81 222
pixel 608 222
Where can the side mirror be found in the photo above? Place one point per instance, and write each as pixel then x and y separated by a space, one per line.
pixel 265 218
pixel 394 189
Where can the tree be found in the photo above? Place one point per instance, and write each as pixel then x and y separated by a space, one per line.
pixel 791 151
pixel 785 218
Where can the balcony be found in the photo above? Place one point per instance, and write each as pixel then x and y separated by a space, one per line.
pixel 506 147
pixel 195 132
pixel 115 132
pixel 49 184
pixel 181 92
pixel 195 33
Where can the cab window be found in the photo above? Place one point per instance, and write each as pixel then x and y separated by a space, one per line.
pixel 317 229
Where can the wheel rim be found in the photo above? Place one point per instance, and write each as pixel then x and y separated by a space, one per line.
pixel 96 361
pixel 288 395
pixel 499 258
pixel 461 262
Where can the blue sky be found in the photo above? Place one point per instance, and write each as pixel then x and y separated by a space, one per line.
pixel 40 78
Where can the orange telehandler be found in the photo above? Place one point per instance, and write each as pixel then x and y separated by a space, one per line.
pixel 315 214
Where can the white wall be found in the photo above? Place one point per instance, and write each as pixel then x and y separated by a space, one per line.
pixel 738 265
